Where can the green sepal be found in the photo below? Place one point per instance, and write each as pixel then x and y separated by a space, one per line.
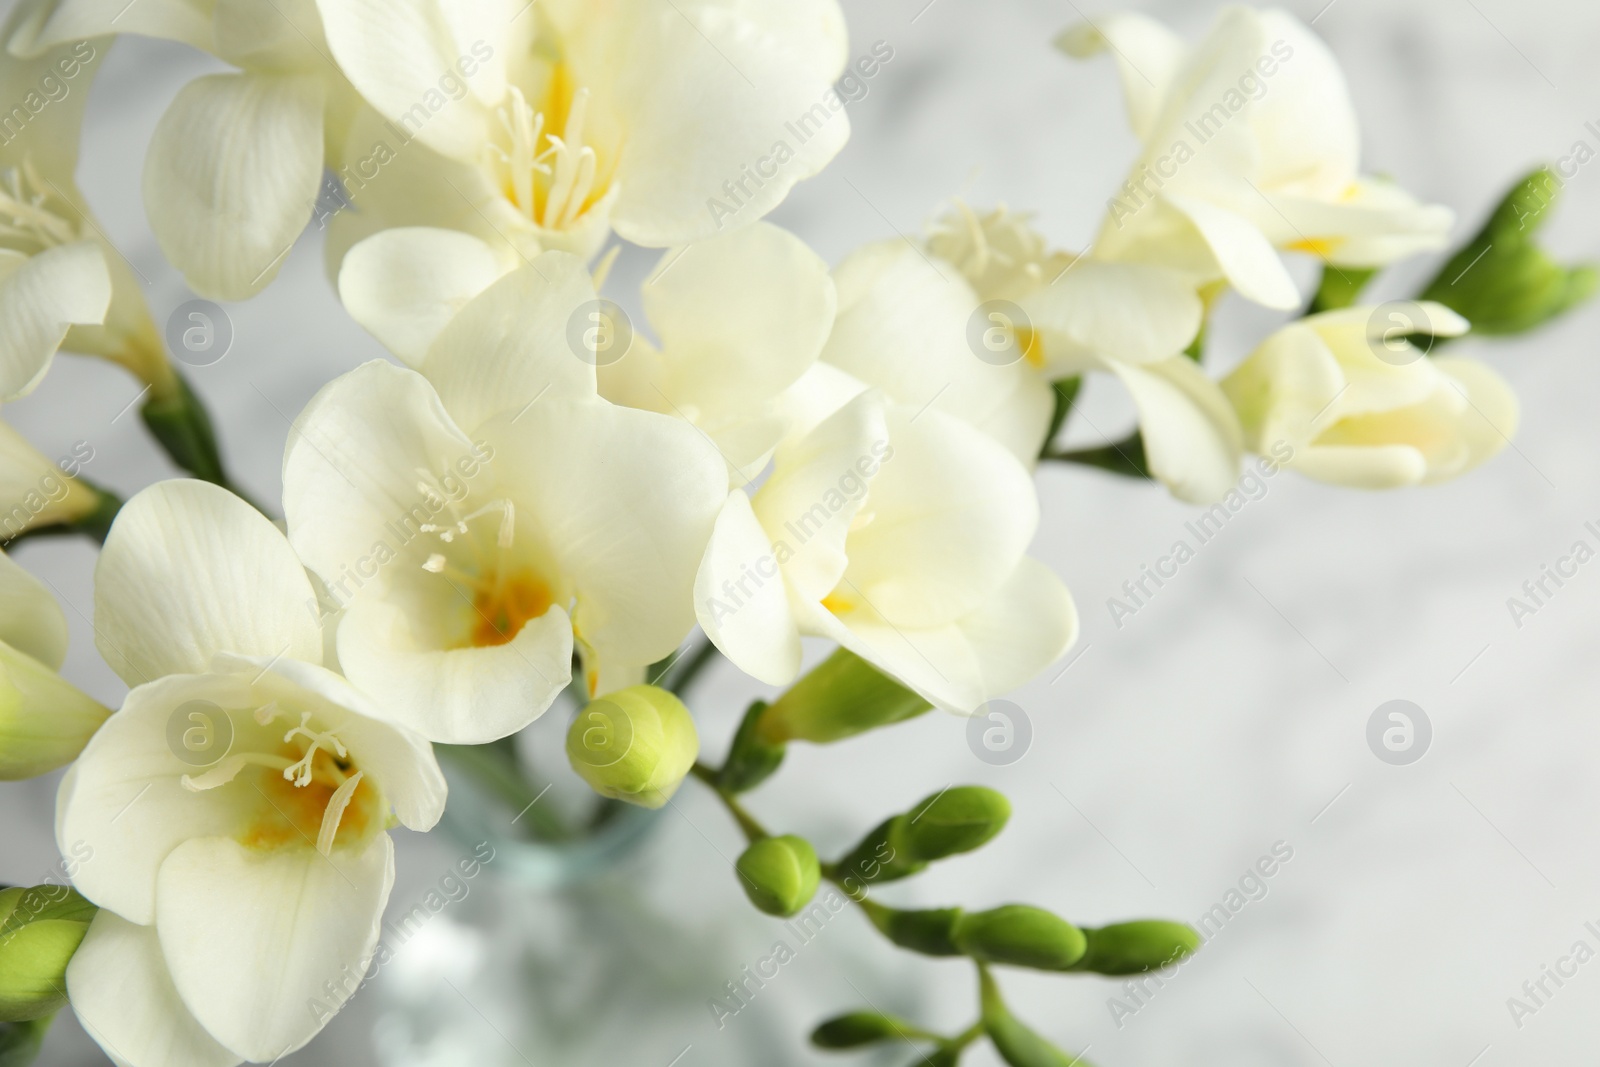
pixel 1063 393
pixel 1136 947
pixel 779 874
pixel 1502 281
pixel 957 820
pixel 751 760
pixel 881 856
pixel 841 697
pixel 930 931
pixel 42 928
pixel 1020 935
pixel 1125 457
pixel 182 426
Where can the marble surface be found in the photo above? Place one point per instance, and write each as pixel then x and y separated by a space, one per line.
pixel 1227 716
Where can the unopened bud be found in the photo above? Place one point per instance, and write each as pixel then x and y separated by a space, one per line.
pixel 44 720
pixel 40 929
pixel 930 932
pixel 881 856
pixel 1136 947
pixel 635 744
pixel 954 821
pixel 751 760
pixel 780 874
pixel 844 695
pixel 858 1029
pixel 1021 936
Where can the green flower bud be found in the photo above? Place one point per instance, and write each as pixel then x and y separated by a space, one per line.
pixel 857 1029
pixel 1017 1044
pixel 780 874
pixel 40 929
pixel 751 760
pixel 1021 936
pixel 930 932
pixel 843 696
pixel 19 1042
pixel 636 744
pixel 954 821
pixel 1502 281
pixel 1136 947
pixel 44 720
pixel 881 856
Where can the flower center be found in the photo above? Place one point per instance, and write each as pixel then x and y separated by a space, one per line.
pixel 28 222
pixel 308 791
pixel 505 594
pixel 546 171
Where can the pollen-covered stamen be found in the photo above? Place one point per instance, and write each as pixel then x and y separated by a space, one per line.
pixel 302 772
pixel 23 196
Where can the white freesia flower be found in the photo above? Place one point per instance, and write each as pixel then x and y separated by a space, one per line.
pixel 1250 145
pixel 236 162
pixel 899 534
pixel 479 520
pixel 910 323
pixel 44 720
pixel 1331 397
pixel 34 492
pixel 236 807
pixel 544 126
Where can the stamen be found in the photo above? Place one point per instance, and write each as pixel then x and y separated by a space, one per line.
pixel 301 772
pixel 22 199
pixel 335 812
pixel 229 769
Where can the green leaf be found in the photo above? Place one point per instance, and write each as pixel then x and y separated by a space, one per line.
pixel 1021 936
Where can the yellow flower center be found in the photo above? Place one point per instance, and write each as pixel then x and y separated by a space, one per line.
pixel 543 165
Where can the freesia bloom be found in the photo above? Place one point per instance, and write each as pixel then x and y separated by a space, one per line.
pixel 899 534
pixel 236 807
pixel 479 520
pixel 34 492
pixel 918 325
pixel 1350 402
pixel 1250 145
pixel 544 126
pixel 44 721
pixel 236 162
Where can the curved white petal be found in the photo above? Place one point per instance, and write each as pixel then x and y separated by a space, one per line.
pixel 1192 438
pixel 190 570
pixel 405 285
pixel 55 24
pixel 30 619
pixel 740 317
pixel 34 492
pixel 231 176
pixel 938 662
pixel 741 600
pixel 522 341
pixel 1243 253
pixel 458 696
pixel 124 799
pixel 41 297
pixel 1029 623
pixel 252 939
pixel 1131 312
pixel 1494 413
pixel 124 998
pixel 1148 55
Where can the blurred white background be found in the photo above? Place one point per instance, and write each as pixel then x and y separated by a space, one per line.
pixel 1227 716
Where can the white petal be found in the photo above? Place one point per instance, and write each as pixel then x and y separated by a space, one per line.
pixel 1244 255
pixel 740 317
pixel 458 696
pixel 1192 438
pixel 405 285
pixel 396 51
pixel 253 938
pixel 1362 466
pixel 706 92
pixel 124 800
pixel 30 619
pixel 1492 421
pixel 1147 53
pixel 741 600
pixel 817 489
pixel 1029 623
pixel 54 24
pixel 625 502
pixel 1124 311
pixel 124 998
pixel 34 492
pixel 190 570
pixel 44 720
pixel 513 345
pixel 42 296
pixel 937 662
pixel 231 176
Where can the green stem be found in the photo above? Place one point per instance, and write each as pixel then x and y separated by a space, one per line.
pixel 683 673
pixel 179 422
pixel 748 824
pixel 1126 457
